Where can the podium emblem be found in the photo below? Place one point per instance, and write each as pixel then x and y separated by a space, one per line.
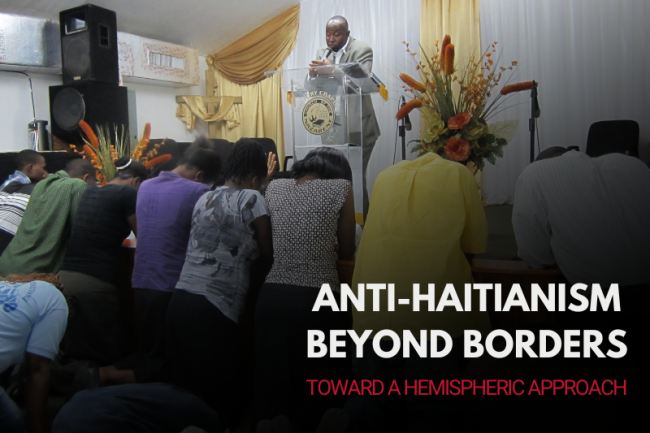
pixel 318 114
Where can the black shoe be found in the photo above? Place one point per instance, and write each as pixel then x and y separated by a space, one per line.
pixel 336 421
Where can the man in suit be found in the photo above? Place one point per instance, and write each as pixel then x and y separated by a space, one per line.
pixel 346 49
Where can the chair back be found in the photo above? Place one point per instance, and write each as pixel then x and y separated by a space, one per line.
pixel 613 136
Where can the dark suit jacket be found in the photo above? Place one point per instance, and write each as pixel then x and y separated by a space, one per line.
pixel 358 51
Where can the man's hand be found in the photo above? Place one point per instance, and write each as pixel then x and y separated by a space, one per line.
pixel 320 71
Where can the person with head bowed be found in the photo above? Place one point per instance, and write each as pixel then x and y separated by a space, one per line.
pixel 312 219
pixel 91 270
pixel 41 240
pixel 15 193
pixel 164 216
pixel 230 228
pixel 33 315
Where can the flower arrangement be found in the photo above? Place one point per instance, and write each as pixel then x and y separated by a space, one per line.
pixel 457 124
pixel 102 152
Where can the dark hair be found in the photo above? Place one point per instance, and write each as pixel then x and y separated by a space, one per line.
pixel 325 162
pixel 551 152
pixel 201 155
pixel 247 158
pixel 134 169
pixel 27 157
pixel 78 167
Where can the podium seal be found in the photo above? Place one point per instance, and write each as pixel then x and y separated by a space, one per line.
pixel 318 114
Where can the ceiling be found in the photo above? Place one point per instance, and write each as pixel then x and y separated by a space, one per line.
pixel 207 25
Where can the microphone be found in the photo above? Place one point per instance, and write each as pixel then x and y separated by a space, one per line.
pixel 533 94
pixel 327 52
pixel 407 120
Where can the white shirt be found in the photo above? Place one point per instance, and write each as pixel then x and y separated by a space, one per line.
pixel 338 54
pixel 589 215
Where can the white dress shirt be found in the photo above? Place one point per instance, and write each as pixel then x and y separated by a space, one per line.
pixel 338 54
pixel 591 216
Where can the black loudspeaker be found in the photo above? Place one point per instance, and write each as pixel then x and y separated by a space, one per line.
pixel 98 104
pixel 89 45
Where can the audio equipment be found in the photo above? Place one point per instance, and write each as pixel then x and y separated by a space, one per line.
pixel 89 45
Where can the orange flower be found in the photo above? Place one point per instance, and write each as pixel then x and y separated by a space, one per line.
pixel 457 149
pixel 89 151
pixel 518 87
pixel 157 161
pixel 446 41
pixel 412 83
pixel 449 59
pixel 407 108
pixel 92 138
pixel 459 120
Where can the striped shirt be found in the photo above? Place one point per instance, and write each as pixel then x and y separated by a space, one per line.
pixel 13 202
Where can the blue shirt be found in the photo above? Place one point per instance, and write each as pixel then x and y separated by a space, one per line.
pixel 33 317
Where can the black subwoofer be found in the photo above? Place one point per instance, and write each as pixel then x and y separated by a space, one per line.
pixel 89 45
pixel 99 104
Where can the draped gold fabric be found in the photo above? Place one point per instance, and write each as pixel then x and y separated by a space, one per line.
pixel 259 114
pixel 194 106
pixel 264 49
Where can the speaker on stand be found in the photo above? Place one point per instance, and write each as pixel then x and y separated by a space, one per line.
pixel 90 89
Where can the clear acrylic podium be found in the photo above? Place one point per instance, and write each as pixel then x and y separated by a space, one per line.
pixel 326 110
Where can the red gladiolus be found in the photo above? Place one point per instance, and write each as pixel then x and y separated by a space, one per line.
pixel 457 149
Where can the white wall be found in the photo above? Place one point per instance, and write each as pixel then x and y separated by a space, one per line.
pixel 155 104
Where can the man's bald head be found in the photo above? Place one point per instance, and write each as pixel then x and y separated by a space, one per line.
pixel 338 20
pixel 337 33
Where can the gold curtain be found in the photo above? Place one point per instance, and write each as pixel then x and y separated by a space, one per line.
pixel 264 49
pixel 238 70
pixel 259 114
pixel 459 19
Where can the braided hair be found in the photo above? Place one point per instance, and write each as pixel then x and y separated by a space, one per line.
pixel 247 159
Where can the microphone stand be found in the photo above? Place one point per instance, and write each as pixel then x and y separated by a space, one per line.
pixel 534 114
pixel 402 129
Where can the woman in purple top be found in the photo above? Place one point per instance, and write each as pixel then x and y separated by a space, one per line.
pixel 164 211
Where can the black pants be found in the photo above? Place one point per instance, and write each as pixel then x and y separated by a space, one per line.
pixel 283 315
pixel 203 351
